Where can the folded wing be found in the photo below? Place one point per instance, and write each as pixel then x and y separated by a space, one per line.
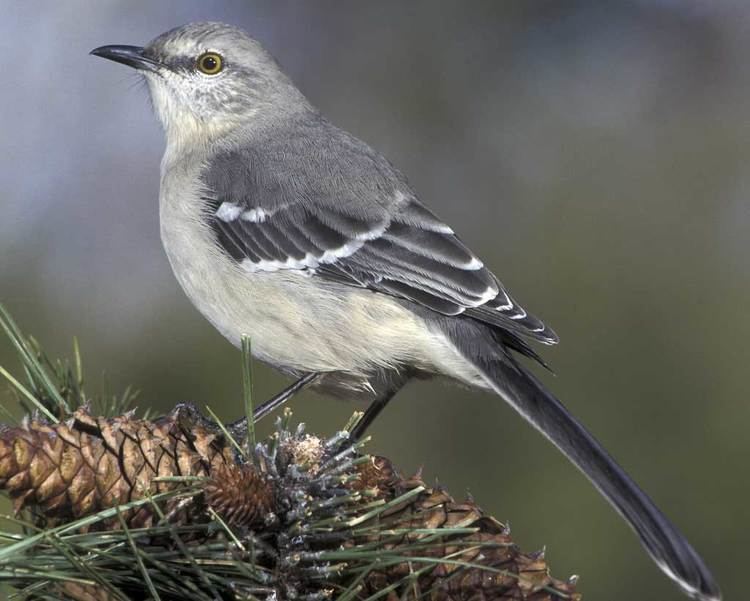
pixel 406 252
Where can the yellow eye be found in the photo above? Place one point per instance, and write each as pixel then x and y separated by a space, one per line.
pixel 210 63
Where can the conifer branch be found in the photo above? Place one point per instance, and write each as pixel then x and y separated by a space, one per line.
pixel 117 507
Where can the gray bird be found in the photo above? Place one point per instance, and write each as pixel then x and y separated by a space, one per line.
pixel 284 228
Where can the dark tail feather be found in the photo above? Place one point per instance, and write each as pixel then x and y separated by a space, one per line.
pixel 668 548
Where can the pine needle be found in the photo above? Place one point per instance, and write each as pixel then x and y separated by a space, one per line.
pixel 247 389
pixel 139 559
pixel 27 395
pixel 225 431
pixel 29 360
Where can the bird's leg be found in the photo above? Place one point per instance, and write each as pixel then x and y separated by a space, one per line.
pixel 372 412
pixel 239 428
pixel 276 401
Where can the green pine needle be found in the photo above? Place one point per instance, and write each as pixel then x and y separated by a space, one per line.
pixel 226 432
pixel 23 391
pixel 138 558
pixel 31 361
pixel 247 389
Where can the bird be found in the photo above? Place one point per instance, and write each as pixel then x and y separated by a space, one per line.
pixel 285 229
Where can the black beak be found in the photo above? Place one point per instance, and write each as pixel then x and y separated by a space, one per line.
pixel 132 56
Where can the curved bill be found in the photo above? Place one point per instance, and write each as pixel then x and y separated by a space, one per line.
pixel 132 56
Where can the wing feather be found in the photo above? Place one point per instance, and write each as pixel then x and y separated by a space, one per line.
pixel 315 199
pixel 408 253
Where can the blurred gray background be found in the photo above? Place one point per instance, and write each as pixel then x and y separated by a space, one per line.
pixel 593 153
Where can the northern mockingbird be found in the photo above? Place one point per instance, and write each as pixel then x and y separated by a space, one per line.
pixel 284 228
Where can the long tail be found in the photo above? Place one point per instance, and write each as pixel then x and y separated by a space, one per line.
pixel 664 543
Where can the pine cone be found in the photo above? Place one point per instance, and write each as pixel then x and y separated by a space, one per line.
pixel 241 495
pixel 73 469
pixel 299 502
pixel 511 575
pixel 75 591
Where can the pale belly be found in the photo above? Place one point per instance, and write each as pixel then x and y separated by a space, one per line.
pixel 296 322
pixel 297 326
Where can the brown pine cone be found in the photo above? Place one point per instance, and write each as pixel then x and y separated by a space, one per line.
pixel 299 497
pixel 86 464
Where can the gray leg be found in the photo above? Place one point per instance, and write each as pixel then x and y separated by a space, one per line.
pixel 372 412
pixel 262 410
pixel 239 428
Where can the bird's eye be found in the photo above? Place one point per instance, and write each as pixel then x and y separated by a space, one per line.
pixel 210 63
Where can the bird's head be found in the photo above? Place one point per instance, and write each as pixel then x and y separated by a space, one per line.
pixel 207 79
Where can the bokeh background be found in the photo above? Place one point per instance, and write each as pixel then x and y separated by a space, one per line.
pixel 593 153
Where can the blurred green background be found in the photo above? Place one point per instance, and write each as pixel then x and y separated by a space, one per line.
pixel 593 153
